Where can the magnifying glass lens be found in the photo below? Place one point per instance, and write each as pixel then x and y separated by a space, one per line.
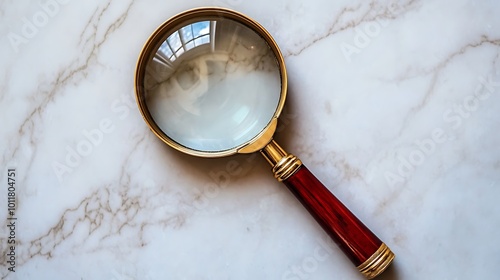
pixel 212 85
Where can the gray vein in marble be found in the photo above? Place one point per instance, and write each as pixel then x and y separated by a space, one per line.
pixel 343 171
pixel 96 214
pixel 124 175
pixel 117 23
pixel 485 39
pixel 93 24
pixel 436 72
pixel 371 14
pixel 75 69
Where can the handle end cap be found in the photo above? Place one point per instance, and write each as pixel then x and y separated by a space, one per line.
pixel 377 263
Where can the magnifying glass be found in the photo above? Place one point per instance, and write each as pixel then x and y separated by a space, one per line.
pixel 212 82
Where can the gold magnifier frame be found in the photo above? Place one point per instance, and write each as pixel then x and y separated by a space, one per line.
pixel 366 251
pixel 161 33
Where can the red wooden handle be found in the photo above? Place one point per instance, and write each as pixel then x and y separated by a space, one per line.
pixel 365 250
pixel 351 235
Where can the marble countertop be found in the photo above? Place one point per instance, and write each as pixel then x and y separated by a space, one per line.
pixel 392 104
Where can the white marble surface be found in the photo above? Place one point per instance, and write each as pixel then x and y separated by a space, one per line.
pixel 368 80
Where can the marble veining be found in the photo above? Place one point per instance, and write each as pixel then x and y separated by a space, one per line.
pixel 393 105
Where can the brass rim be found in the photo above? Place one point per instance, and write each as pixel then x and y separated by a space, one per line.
pixel 166 29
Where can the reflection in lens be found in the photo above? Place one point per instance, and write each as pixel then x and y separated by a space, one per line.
pixel 212 85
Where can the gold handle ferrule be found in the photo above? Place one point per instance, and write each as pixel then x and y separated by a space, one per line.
pixel 284 165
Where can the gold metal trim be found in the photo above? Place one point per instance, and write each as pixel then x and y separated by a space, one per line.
pixel 284 165
pixel 377 263
pixel 262 140
pixel 169 26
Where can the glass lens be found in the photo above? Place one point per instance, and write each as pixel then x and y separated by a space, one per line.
pixel 212 85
